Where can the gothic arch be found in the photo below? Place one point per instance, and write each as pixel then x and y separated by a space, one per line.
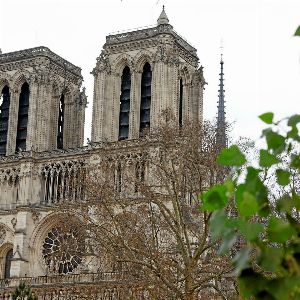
pixel 19 79
pixel 184 74
pixel 141 59
pixel 37 263
pixel 4 250
pixel 121 62
pixel 4 80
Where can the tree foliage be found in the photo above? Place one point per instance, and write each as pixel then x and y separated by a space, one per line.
pixel 260 210
pixel 23 292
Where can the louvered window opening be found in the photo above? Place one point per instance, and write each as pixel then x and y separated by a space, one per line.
pixel 145 100
pixel 22 118
pixel 60 125
pixel 180 112
pixel 7 265
pixel 124 105
pixel 4 117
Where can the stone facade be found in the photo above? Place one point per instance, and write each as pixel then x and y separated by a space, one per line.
pixel 35 180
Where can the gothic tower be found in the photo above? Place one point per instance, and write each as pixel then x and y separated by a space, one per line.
pixel 42 107
pixel 138 75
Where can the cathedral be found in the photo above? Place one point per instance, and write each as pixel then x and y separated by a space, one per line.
pixel 138 75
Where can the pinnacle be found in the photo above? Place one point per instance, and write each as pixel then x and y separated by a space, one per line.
pixel 163 18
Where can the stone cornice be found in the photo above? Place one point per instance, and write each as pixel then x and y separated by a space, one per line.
pixel 39 52
pixel 148 33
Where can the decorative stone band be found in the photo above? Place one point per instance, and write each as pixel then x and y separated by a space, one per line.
pixel 148 33
pixel 39 51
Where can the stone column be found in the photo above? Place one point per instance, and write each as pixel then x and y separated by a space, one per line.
pixel 135 105
pixel 13 122
pixel 32 116
pixel 19 264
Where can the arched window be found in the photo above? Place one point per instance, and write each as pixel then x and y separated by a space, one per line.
pixel 145 100
pixel 4 116
pixel 124 104
pixel 8 258
pixel 60 124
pixel 180 110
pixel 22 118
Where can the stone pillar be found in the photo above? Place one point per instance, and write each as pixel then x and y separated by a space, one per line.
pixel 32 117
pixel 113 107
pixel 13 122
pixel 19 264
pixel 135 105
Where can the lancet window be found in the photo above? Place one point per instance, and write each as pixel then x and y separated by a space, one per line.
pixel 60 124
pixel 22 118
pixel 145 99
pixel 180 109
pixel 124 104
pixel 7 266
pixel 4 117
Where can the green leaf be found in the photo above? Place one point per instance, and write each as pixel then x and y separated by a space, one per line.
pixel 251 283
pixel 297 32
pixel 227 242
pixel 241 260
pixel 285 288
pixel 283 177
pixel 285 204
pixel 232 156
pixel 218 224
pixel 215 198
pixel 266 159
pixel 294 120
pixel 295 163
pixel 247 205
pixel 249 230
pixel 267 117
pixel 279 231
pixel 275 141
pixel 270 259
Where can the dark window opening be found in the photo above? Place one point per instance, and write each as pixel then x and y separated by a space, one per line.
pixel 7 265
pixel 124 105
pixel 180 112
pixel 145 100
pixel 119 178
pixel 4 117
pixel 60 124
pixel 22 118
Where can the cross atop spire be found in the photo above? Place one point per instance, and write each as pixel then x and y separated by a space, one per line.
pixel 163 18
pixel 221 121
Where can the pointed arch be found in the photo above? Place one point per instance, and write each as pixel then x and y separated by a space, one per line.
pixel 121 62
pixel 6 253
pixel 22 117
pixel 4 118
pixel 146 83
pixel 141 59
pixel 124 104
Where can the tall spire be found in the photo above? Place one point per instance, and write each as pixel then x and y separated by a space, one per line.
pixel 221 121
pixel 163 18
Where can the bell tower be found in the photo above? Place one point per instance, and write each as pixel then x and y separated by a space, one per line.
pixel 138 75
pixel 41 105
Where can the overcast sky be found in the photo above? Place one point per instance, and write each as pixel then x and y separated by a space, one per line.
pixel 262 58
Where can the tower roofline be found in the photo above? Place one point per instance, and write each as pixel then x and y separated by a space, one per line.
pixel 40 51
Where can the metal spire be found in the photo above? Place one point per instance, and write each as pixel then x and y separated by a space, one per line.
pixel 221 138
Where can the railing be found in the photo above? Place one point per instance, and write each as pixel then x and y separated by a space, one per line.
pixel 63 279
pixel 39 51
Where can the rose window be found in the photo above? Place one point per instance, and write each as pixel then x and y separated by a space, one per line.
pixel 63 249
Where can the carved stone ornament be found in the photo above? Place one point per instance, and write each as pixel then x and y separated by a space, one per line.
pixel 2 235
pixel 63 249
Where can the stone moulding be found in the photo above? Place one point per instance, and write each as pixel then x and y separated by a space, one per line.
pixel 36 52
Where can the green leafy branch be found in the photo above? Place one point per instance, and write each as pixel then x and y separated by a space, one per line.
pixel 268 263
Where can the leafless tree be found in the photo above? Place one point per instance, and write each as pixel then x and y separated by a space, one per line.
pixel 144 215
